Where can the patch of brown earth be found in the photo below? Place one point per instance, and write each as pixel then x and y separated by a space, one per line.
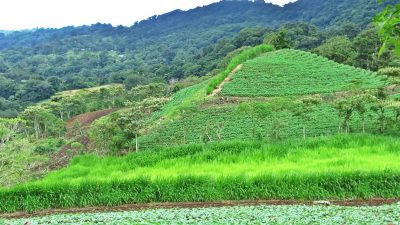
pixel 76 129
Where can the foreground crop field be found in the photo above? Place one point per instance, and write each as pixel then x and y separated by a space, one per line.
pixel 342 167
pixel 291 72
pixel 233 215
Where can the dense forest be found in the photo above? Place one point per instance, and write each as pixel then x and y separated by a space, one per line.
pixel 36 64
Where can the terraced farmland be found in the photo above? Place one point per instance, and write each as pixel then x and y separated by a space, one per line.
pixel 292 72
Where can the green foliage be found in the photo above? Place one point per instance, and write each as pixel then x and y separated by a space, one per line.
pixel 388 22
pixel 278 39
pixel 390 71
pixel 367 44
pixel 338 49
pixel 224 171
pixel 260 214
pixel 293 72
pixel 17 162
pixel 114 133
pixel 236 61
pixel 42 123
pixel 48 145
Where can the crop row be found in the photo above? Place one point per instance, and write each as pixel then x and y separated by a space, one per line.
pixel 233 215
pixel 291 72
pixel 229 122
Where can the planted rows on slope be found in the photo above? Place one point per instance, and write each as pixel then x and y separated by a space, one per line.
pixel 229 122
pixel 292 72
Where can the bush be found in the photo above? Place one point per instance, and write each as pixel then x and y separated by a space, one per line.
pixel 48 145
pixel 390 71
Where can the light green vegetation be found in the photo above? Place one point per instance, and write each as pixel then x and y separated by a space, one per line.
pixel 340 167
pixel 230 121
pixel 292 72
pixel 300 215
pixel 70 93
pixel 233 215
pixel 186 98
pixel 237 60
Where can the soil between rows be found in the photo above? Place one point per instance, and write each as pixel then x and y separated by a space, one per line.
pixel 138 207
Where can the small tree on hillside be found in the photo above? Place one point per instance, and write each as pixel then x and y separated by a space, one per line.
pixel 380 106
pixel 9 128
pixel 278 39
pixel 133 120
pixel 361 102
pixel 345 108
pixel 305 109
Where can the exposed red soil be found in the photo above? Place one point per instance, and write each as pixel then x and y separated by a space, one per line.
pixel 76 128
pixel 84 121
pixel 138 207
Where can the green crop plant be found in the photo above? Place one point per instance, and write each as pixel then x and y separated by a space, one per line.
pixel 236 61
pixel 338 167
pixel 292 72
pixel 262 214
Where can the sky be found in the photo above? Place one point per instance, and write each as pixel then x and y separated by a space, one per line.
pixel 28 14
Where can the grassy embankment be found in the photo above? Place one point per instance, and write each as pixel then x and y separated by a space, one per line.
pixel 339 167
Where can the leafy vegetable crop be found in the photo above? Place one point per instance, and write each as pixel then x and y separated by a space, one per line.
pixel 292 72
pixel 233 215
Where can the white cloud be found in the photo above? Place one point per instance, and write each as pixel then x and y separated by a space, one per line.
pixel 26 14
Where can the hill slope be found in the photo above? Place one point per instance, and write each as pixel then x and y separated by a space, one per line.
pixel 291 72
pixel 262 102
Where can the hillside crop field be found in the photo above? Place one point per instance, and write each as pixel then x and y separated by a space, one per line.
pixel 230 122
pixel 341 167
pixel 232 215
pixel 292 72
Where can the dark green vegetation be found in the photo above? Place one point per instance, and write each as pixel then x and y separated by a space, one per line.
pixel 341 167
pixel 36 64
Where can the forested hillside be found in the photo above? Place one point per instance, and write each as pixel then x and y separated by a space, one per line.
pixel 36 64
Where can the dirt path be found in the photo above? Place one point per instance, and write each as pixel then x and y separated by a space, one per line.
pixel 137 207
pixel 76 129
pixel 227 79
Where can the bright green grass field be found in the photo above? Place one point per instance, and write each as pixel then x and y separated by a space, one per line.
pixel 323 168
pixel 293 72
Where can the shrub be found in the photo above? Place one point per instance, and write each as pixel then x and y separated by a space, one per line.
pixel 390 71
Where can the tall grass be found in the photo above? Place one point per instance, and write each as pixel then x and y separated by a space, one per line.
pixel 237 60
pixel 357 166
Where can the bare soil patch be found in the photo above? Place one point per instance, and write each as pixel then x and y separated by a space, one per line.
pixel 76 129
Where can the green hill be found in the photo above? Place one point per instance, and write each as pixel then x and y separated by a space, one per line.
pixel 292 72
pixel 262 99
